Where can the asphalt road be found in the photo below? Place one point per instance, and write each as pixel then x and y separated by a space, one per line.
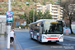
pixel 23 38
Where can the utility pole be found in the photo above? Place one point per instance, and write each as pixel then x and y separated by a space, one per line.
pixel 9 5
pixel 8 26
pixel 33 15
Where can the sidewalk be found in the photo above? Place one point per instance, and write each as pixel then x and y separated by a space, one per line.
pixel 69 37
pixel 3 44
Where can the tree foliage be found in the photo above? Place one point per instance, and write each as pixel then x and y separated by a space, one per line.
pixel 37 16
pixel 47 15
pixel 22 16
pixel 31 16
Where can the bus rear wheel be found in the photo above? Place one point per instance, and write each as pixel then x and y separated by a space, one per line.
pixel 31 36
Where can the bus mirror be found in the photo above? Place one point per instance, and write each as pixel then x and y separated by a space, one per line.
pixel 41 25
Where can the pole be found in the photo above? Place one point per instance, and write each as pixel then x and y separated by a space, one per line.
pixel 8 40
pixel 33 15
pixel 8 26
pixel 9 5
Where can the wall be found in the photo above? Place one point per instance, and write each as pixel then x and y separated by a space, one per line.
pixel 18 20
pixel 2 23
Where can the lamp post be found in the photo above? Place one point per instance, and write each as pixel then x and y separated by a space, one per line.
pixel 8 26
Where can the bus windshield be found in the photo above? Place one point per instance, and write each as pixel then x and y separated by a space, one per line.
pixel 55 28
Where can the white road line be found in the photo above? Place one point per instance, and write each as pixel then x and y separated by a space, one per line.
pixel 33 47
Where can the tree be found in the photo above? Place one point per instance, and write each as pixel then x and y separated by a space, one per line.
pixel 66 10
pixel 22 16
pixel 35 16
pixel 47 15
pixel 31 16
pixel 39 15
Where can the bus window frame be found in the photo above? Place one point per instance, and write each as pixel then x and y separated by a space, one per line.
pixel 55 33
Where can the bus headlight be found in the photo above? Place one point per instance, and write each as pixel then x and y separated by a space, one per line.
pixel 61 37
pixel 44 37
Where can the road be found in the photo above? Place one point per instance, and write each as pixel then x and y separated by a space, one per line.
pixel 23 38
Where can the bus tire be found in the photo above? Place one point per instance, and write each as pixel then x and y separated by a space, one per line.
pixel 31 36
pixel 38 39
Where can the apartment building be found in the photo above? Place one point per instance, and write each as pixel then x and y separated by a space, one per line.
pixel 41 8
pixel 55 10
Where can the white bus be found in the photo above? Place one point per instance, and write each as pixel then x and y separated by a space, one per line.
pixel 46 30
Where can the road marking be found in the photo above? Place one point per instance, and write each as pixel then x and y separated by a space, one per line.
pixel 34 47
pixel 32 44
pixel 27 49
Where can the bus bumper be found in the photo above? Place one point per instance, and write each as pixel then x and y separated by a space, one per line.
pixel 46 40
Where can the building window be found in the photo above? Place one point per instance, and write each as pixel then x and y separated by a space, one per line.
pixel 17 23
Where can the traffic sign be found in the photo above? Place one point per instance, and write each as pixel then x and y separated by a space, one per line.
pixel 67 31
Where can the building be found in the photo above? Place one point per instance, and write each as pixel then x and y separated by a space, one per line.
pixel 55 10
pixel 2 24
pixel 41 8
pixel 17 22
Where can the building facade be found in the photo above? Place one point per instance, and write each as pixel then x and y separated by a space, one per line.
pixel 17 22
pixel 41 8
pixel 55 10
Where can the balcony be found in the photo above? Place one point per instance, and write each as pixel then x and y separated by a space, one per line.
pixel 61 7
pixel 55 5
pixel 54 17
pixel 54 11
pixel 54 8
pixel 61 13
pixel 61 10
pixel 39 5
pixel 54 14
pixel 39 8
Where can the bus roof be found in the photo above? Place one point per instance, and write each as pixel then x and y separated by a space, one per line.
pixel 44 20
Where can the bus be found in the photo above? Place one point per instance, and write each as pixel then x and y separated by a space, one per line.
pixel 46 30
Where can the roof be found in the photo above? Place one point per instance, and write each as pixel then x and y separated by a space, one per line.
pixel 44 20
